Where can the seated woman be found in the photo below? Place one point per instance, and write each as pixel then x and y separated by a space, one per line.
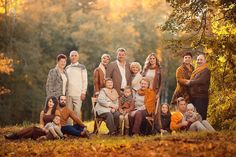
pixel 46 116
pixel 145 100
pixel 107 105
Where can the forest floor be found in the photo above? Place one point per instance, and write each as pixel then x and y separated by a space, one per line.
pixel 220 143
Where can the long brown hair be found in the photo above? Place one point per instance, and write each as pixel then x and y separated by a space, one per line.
pixel 147 62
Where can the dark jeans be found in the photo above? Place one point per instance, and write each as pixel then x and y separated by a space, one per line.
pixel 201 105
pixel 74 130
pixel 111 120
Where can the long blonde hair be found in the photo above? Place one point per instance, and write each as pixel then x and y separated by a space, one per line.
pixel 147 62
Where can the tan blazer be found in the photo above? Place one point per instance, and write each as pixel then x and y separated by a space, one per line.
pixel 113 72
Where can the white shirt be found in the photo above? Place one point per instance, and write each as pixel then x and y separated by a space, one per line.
pixel 150 75
pixel 64 81
pixel 122 72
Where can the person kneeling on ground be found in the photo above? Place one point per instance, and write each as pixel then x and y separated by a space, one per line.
pixel 78 129
pixel 195 122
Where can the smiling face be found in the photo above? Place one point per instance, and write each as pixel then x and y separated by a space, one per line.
pixel 62 101
pixel 135 69
pixel 50 103
pixel 152 60
pixel 61 63
pixel 164 109
pixel 105 60
pixel 144 84
pixel 187 59
pixel 74 57
pixel 57 120
pixel 127 92
pixel 109 84
pixel 190 111
pixel 201 60
pixel 121 56
pixel 182 106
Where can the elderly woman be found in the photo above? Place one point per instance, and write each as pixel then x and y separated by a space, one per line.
pixel 107 105
pixel 57 79
pixel 100 73
pixel 135 69
pixel 152 71
pixel 145 99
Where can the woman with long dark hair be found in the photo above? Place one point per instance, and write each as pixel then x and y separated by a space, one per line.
pixel 46 116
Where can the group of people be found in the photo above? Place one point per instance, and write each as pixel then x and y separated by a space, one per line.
pixel 125 93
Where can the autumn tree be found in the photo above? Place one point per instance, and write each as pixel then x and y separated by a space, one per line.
pixel 209 26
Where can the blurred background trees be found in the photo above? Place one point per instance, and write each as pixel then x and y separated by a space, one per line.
pixel 34 32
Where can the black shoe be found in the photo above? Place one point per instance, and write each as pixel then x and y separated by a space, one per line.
pixel 12 136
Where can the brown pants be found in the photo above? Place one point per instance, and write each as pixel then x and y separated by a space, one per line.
pixel 136 120
pixel 31 132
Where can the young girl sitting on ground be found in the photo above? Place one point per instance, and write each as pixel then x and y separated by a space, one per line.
pixel 165 118
pixel 195 122
pixel 53 129
pixel 126 104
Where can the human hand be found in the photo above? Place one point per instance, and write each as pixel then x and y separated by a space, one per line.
pixel 187 82
pixel 83 96
pixel 185 123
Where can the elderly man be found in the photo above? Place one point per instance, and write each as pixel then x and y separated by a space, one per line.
pixel 119 71
pixel 199 85
pixel 183 74
pixel 77 83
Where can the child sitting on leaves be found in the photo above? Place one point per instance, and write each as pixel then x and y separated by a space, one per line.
pixel 195 122
pixel 53 129
pixel 165 119
pixel 126 105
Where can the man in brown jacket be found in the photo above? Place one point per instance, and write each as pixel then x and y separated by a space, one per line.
pixel 119 71
pixel 199 85
pixel 183 74
pixel 78 128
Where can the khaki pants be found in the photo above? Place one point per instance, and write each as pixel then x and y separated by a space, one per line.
pixel 74 103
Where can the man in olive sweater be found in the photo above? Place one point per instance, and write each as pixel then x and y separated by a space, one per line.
pixel 78 129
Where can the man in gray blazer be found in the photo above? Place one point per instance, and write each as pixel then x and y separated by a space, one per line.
pixel 119 71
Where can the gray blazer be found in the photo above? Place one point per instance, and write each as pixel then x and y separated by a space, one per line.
pixel 54 85
pixel 113 72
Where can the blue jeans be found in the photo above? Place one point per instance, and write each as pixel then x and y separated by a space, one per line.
pixel 74 130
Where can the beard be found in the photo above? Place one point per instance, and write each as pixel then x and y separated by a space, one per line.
pixel 62 104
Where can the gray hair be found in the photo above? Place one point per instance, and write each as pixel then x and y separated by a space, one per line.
pixel 72 52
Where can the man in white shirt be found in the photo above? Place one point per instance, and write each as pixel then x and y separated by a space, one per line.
pixel 77 83
pixel 119 71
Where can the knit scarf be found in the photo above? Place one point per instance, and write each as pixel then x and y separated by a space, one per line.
pixel 198 70
pixel 149 99
pixel 111 94
pixel 124 99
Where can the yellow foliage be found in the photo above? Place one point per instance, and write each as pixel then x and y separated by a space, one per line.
pixel 5 64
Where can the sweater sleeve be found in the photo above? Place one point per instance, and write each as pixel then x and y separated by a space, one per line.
pixel 41 122
pixel 50 83
pixel 179 77
pixel 84 81
pixel 102 99
pixel 176 118
pixel 75 118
